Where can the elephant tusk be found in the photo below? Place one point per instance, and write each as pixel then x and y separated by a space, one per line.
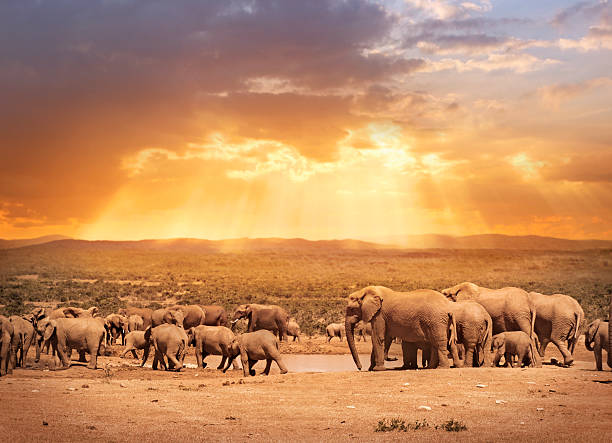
pixel 235 321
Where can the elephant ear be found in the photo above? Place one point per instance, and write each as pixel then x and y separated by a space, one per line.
pixel 371 304
pixel 248 310
pixel 50 330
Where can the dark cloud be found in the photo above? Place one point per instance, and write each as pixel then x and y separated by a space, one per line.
pixel 585 10
pixel 586 167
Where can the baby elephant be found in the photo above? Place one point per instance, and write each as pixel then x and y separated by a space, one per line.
pixel 170 341
pixel 211 340
pixel 513 343
pixel 254 346
pixel 134 340
pixel 596 339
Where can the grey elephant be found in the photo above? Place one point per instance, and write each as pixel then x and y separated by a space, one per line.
pixel 24 330
pixel 73 312
pixel 116 325
pixel 474 332
pixel 422 316
pixel 610 334
pixel 293 329
pixel 7 343
pixel 558 320
pixel 85 334
pixel 254 346
pixel 596 339
pixel 170 342
pixel 135 323
pixel 164 315
pixel 334 330
pixel 211 340
pixel 133 341
pixel 193 315
pixel 145 313
pixel 215 315
pixel 513 344
pixel 270 317
pixel 362 330
pixel 510 308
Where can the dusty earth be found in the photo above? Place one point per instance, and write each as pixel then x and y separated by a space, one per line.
pixel 121 401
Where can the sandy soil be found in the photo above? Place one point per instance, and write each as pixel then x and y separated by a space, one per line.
pixel 124 402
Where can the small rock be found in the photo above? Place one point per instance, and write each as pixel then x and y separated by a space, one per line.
pixel 91 427
pixel 443 404
pixel 539 409
pixel 226 383
pixel 35 390
pixel 351 407
pixel 500 402
pixel 522 423
pixel 85 386
pixel 552 390
pixel 123 385
pixel 154 401
pixel 481 386
pixel 425 408
pixel 531 382
pixel 72 389
pixel 406 384
pixel 45 423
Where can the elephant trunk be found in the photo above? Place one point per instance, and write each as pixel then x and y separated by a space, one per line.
pixel 349 327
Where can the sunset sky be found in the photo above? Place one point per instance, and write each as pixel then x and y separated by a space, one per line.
pixel 124 119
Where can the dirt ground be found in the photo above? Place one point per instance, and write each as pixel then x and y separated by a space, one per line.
pixel 121 401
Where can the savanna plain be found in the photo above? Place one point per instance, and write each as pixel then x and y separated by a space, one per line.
pixel 121 401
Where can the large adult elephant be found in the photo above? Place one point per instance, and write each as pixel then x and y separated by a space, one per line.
pixel 422 316
pixel 558 320
pixel 270 317
pixel 24 330
pixel 73 312
pixel 215 315
pixel 116 325
pixel 145 313
pixel 164 315
pixel 509 308
pixel 7 342
pixel 193 315
pixel 85 334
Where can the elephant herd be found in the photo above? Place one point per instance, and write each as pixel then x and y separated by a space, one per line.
pixel 473 325
pixel 469 322
pixel 169 330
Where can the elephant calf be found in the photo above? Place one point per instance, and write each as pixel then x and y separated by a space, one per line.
pixel 170 342
pixel 254 346
pixel 513 343
pixel 596 339
pixel 134 340
pixel 334 330
pixel 293 329
pixel 211 340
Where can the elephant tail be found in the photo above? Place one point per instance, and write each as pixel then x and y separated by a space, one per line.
pixel 590 339
pixel 533 319
pixel 147 347
pixel 572 339
pixel 452 333
pixel 485 342
pixel 533 363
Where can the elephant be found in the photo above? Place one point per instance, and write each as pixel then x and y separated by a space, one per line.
pixel 163 315
pixel 270 317
pixel 597 338
pixel 558 320
pixel 362 329
pixel 421 316
pixel 610 334
pixel 134 340
pixel 474 331
pixel 135 323
pixel 116 325
pixel 211 340
pixel 254 346
pixel 193 315
pixel 293 329
pixel 24 330
pixel 72 312
pixel 85 334
pixel 145 313
pixel 510 308
pixel 215 315
pixel 334 330
pixel 8 342
pixel 513 343
pixel 170 341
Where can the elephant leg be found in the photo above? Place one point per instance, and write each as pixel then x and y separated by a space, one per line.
pixel 388 341
pixel 251 363
pixel 82 358
pixel 93 357
pixel 542 349
pixel 434 357
pixel 246 365
pixel 469 355
pixel 597 351
pixel 409 354
pixel 204 355
pixel 125 351
pixel 37 343
pixel 134 353
pixel 442 357
pixel 509 359
pixel 268 366
pixel 223 359
pixel 567 356
pixel 173 362
pixel 61 353
pixel 377 360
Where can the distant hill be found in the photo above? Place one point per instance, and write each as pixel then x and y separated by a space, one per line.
pixel 495 241
pixel 11 244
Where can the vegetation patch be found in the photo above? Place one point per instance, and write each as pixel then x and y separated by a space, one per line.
pixel 400 425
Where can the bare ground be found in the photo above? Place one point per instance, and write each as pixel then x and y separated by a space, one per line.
pixel 125 402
